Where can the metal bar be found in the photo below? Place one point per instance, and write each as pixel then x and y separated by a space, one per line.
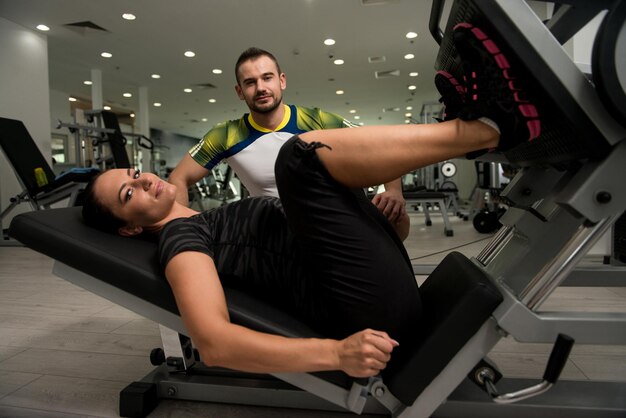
pixel 552 274
pixel 435 17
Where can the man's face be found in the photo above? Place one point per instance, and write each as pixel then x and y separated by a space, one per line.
pixel 260 85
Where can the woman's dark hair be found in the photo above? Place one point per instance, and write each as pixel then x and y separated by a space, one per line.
pixel 253 53
pixel 95 214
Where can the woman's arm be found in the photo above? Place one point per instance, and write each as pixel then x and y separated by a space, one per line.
pixel 200 299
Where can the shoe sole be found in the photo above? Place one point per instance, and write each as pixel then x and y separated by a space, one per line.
pixel 453 81
pixel 526 109
pixel 445 90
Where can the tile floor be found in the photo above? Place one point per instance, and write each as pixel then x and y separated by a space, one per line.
pixel 65 352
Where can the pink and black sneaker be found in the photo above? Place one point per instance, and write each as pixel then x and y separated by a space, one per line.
pixel 493 91
pixel 452 94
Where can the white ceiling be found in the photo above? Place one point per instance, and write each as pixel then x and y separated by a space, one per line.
pixel 218 31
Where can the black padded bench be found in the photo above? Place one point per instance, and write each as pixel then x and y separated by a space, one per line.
pixel 458 299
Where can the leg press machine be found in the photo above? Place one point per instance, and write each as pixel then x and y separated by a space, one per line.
pixel 569 192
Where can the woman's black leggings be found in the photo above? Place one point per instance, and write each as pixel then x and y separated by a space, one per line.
pixel 361 274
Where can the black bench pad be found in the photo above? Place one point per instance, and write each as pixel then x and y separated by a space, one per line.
pixel 131 264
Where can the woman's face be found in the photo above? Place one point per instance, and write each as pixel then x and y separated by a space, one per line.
pixel 141 199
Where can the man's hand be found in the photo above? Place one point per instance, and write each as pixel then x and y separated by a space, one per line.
pixel 391 203
pixel 365 353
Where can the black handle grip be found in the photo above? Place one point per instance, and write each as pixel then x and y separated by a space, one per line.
pixel 145 142
pixel 558 358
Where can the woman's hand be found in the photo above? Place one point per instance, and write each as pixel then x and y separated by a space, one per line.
pixel 365 353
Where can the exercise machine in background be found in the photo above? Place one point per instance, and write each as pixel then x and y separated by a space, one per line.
pixel 41 188
pixel 101 143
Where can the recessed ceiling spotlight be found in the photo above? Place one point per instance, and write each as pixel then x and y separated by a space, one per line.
pixel 411 35
pixel 43 28
pixel 87 82
pixel 408 114
pixel 72 99
pixel 338 62
pixel 414 74
pixel 190 54
pixel 409 108
pixel 127 95
pixel 217 71
pixel 157 104
pixel 357 117
pixel 212 100
pixel 339 92
pixel 409 56
pixel 106 107
pixel 352 111
pixel 132 115
pixel 407 121
pixel 129 16
pixel 155 76
pixel 412 87
pixel 329 42
pixel 106 55
pixel 204 120
pixel 187 90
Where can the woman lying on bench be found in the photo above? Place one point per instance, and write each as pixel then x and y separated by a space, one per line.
pixel 322 252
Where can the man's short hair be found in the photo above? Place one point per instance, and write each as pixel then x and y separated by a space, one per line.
pixel 253 53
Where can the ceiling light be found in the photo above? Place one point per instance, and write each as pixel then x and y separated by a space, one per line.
pixel 129 16
pixel 352 111
pixel 407 121
pixel 409 56
pixel 190 54
pixel 204 120
pixel 155 76
pixel 87 82
pixel 127 95
pixel 329 42
pixel 412 87
pixel 414 74
pixel 357 117
pixel 411 35
pixel 212 100
pixel 106 55
pixel 217 71
pixel 132 115
pixel 338 62
pixel 187 90
pixel 339 92
pixel 157 104
pixel 408 115
pixel 107 107
pixel 72 99
pixel 409 108
pixel 43 28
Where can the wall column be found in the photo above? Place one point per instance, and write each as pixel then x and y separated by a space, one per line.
pixel 96 89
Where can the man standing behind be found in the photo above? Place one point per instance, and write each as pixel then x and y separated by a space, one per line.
pixel 250 144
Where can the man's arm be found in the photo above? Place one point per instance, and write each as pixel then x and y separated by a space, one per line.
pixel 186 173
pixel 200 299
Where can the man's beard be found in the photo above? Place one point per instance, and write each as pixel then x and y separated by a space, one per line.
pixel 266 108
